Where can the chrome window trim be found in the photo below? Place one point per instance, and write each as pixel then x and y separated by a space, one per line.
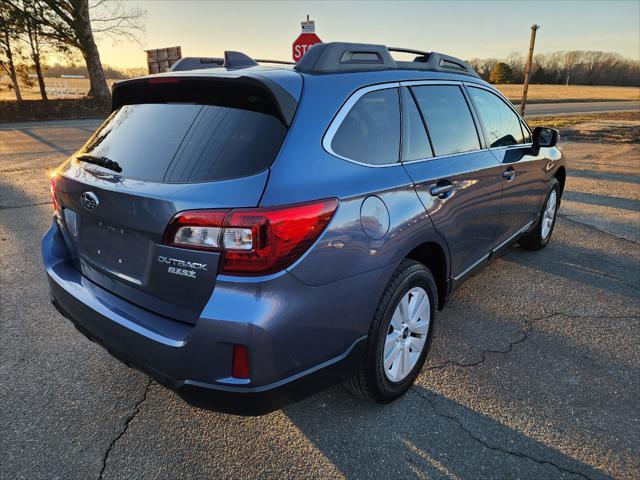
pixel 438 157
pixel 355 96
pixel 511 147
pixel 417 83
pixel 342 113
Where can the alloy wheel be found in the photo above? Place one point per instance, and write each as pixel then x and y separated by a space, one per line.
pixel 406 334
pixel 549 214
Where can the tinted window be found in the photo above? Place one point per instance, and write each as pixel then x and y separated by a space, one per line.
pixel 370 132
pixel 500 123
pixel 187 143
pixel 415 142
pixel 448 119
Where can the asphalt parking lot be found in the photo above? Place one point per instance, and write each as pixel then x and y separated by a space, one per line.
pixel 534 372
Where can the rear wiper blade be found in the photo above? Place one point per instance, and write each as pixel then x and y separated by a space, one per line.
pixel 100 161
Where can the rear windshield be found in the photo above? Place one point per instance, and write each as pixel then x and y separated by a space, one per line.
pixel 178 143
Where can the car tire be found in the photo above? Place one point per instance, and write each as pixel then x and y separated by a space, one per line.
pixel 391 331
pixel 538 238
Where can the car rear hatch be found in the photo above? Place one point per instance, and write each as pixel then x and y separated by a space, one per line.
pixel 170 145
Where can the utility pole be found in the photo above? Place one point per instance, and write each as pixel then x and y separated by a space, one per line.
pixel 527 70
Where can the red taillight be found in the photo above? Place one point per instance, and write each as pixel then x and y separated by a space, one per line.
pixel 240 362
pixel 253 241
pixel 54 193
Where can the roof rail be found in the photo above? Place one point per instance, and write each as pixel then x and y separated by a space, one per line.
pixel 342 57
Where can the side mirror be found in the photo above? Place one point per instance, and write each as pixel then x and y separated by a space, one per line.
pixel 545 137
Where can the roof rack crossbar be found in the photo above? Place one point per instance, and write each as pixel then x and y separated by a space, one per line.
pixel 407 50
pixel 342 57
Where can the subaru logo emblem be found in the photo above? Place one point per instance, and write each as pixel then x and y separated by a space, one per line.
pixel 89 200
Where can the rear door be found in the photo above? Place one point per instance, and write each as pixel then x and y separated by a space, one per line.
pixel 523 174
pixel 173 157
pixel 458 182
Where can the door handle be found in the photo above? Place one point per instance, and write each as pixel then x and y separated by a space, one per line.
pixel 441 189
pixel 509 174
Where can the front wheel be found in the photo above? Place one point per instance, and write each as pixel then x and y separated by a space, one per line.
pixel 400 335
pixel 538 238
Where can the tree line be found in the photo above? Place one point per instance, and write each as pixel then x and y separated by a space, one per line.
pixel 32 29
pixel 577 67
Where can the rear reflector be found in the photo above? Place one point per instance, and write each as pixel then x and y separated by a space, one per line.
pixel 240 362
pixel 253 241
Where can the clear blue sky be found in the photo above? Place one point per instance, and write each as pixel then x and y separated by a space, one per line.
pixel 462 28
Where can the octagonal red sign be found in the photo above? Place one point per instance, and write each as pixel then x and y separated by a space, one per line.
pixel 303 43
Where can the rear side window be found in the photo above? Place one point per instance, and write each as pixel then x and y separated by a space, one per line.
pixel 370 132
pixel 448 119
pixel 178 143
pixel 500 123
pixel 415 142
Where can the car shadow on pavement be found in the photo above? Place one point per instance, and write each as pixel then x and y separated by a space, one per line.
pixel 425 435
pixel 594 268
pixel 46 142
pixel 602 200
pixel 604 175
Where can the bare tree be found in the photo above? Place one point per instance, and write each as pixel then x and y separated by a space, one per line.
pixel 484 66
pixel 515 60
pixel 74 22
pixel 8 36
pixel 28 16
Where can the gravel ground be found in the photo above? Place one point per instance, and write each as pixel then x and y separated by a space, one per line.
pixel 534 371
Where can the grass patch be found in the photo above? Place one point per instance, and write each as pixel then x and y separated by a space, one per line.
pixel 613 127
pixel 560 122
pixel 569 93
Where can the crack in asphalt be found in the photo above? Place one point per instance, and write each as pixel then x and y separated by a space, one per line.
pixel 524 334
pixel 129 419
pixel 495 448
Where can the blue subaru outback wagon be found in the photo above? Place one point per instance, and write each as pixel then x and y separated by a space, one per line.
pixel 248 235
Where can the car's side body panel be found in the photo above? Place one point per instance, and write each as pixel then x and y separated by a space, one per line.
pixel 467 216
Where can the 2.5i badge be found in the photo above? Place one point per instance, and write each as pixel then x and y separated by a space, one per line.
pixel 182 267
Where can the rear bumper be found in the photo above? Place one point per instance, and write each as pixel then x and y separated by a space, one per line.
pixel 243 400
pixel 291 356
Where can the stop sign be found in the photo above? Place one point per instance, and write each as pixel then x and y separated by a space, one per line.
pixel 303 43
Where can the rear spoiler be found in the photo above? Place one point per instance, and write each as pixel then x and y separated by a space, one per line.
pixel 182 87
